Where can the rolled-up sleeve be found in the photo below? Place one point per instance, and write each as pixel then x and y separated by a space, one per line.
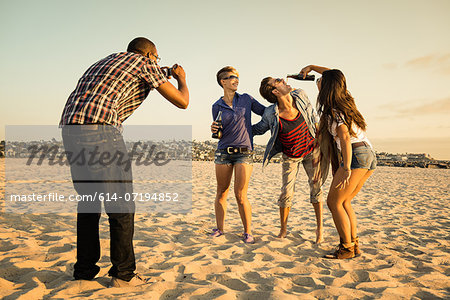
pixel 153 75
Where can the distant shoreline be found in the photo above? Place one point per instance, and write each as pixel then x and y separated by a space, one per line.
pixel 205 151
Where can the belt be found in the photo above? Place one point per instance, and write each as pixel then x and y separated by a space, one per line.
pixel 87 126
pixel 231 150
pixel 359 144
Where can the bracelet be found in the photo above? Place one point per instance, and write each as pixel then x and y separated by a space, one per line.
pixel 347 169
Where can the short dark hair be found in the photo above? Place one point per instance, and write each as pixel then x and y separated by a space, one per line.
pixel 266 90
pixel 221 74
pixel 141 45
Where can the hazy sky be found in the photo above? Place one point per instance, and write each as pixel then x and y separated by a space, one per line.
pixel 395 55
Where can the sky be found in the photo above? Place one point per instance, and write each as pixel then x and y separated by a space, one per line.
pixel 394 54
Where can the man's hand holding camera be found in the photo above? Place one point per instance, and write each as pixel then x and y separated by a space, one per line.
pixel 177 96
pixel 176 71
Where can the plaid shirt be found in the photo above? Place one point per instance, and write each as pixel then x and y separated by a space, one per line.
pixel 112 89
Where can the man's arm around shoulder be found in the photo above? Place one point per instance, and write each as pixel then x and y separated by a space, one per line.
pixel 262 126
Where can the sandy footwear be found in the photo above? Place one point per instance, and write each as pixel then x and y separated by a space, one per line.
pixel 342 253
pixel 135 281
pixel 248 238
pixel 216 233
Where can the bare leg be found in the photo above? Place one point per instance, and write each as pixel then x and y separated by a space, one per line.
pixel 284 214
pixel 348 206
pixel 318 210
pixel 242 174
pixel 336 198
pixel 223 176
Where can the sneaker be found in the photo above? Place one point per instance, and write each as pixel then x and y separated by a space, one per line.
pixel 248 239
pixel 135 281
pixel 216 232
pixel 342 253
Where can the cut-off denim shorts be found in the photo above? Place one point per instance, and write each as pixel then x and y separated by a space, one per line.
pixel 222 157
pixel 363 157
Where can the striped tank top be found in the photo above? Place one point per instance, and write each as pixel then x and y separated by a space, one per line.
pixel 295 137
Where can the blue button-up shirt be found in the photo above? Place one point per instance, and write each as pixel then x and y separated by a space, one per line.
pixel 237 121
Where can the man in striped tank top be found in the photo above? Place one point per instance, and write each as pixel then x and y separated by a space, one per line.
pixel 292 121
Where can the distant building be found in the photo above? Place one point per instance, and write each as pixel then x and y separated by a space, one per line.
pixel 10 153
pixel 419 157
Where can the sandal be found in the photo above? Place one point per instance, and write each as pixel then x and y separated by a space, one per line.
pixel 216 233
pixel 248 239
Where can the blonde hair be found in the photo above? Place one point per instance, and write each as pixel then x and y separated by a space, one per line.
pixel 222 72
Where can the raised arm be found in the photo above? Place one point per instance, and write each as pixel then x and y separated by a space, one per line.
pixel 178 97
pixel 315 68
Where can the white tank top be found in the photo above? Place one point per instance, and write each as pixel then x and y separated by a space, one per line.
pixel 360 134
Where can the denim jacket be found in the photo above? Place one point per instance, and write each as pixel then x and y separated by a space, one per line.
pixel 271 120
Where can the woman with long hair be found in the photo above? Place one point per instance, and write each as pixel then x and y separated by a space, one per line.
pixel 342 123
pixel 234 150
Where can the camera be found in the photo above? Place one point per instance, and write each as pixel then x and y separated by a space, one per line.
pixel 168 71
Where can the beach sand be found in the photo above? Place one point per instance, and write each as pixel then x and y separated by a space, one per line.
pixel 404 230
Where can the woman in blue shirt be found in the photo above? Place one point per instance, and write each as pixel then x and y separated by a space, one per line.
pixel 234 150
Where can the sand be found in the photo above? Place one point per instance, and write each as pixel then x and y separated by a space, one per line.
pixel 404 229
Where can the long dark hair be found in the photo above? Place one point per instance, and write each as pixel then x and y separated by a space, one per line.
pixel 333 100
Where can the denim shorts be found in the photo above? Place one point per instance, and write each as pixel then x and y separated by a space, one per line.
pixel 363 157
pixel 222 157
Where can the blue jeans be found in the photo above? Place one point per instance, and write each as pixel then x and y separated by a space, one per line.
pixel 222 157
pixel 91 177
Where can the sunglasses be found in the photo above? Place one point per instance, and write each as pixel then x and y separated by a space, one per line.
pixel 231 77
pixel 157 58
pixel 276 81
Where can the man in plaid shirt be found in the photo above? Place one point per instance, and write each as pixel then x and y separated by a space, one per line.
pixel 105 96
